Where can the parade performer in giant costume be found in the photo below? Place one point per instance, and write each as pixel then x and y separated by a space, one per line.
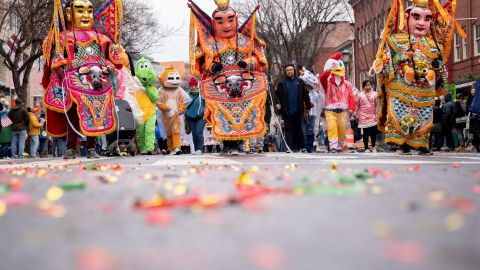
pixel 82 60
pixel 230 60
pixel 146 99
pixel 410 68
pixel 172 102
pixel 339 101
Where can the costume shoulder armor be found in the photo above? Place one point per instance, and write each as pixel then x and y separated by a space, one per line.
pixel 399 38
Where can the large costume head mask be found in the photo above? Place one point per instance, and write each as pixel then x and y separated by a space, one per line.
pixel 335 65
pixel 418 17
pixel 144 72
pixel 80 14
pixel 170 77
pixel 225 20
pixel 310 80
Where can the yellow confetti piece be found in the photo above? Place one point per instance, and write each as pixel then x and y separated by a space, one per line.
pixel 334 166
pixel 41 173
pixel 384 229
pixel 168 185
pixel 245 179
pixel 454 221
pixel 436 196
pixel 254 169
pixel 377 190
pixel 54 194
pixel 193 170
pixel 3 208
pixel 209 200
pixel 108 179
pixel 299 191
pixel 149 176
pixel 180 190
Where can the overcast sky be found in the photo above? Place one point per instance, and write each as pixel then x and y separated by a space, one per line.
pixel 176 13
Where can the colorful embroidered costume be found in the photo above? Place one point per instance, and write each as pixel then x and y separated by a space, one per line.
pixel 338 101
pixel 172 102
pixel 80 73
pixel 230 60
pixel 410 68
pixel 146 98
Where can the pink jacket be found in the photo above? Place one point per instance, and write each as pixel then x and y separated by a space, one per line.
pixel 366 108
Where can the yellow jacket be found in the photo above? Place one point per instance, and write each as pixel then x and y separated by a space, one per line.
pixel 34 125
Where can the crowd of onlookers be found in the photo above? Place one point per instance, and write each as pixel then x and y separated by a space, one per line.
pixel 297 124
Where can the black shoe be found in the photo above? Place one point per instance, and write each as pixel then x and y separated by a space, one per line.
pixel 340 151
pixel 405 149
pixel 424 152
pixel 92 154
pixel 69 154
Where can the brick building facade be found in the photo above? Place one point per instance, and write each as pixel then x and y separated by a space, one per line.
pixel 340 38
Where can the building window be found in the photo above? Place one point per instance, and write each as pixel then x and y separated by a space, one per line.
pixel 457 49
pixel 14 22
pixel 477 39
pixel 465 46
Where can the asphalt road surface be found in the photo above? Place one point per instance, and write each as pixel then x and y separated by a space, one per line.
pixel 272 211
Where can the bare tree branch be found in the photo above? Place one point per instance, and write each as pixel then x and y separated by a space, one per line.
pixel 294 30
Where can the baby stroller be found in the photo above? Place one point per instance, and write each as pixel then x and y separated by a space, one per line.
pixel 122 141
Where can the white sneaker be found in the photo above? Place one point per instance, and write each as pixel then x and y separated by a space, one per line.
pixel 198 152
pixel 177 151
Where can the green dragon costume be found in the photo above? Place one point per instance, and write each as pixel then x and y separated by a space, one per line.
pixel 146 99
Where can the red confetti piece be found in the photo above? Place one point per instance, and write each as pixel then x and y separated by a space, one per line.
pixel 160 217
pixel 267 256
pixel 15 199
pixel 455 165
pixel 416 167
pixel 95 259
pixel 464 205
pixel 407 252
pixel 476 189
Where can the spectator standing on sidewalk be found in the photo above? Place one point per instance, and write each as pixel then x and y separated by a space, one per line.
pixel 473 109
pixel 194 116
pixel 436 138
pixel 34 131
pixel 20 119
pixel 460 111
pixel 366 109
pixel 5 132
pixel 448 121
pixel 292 100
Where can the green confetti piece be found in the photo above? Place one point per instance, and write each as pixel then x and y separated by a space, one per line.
pixel 363 175
pixel 90 166
pixel 4 190
pixel 73 186
pixel 346 179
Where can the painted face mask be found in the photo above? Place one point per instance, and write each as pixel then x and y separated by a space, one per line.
pixel 170 77
pixel 419 21
pixel 144 72
pixel 81 14
pixel 225 23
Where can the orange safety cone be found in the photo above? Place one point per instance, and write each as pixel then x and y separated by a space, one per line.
pixel 349 140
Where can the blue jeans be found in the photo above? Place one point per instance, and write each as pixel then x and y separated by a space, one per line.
pixel 34 142
pixel 18 143
pixel 308 132
pixel 197 126
pixel 59 146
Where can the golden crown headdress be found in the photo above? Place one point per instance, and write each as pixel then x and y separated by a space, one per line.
pixel 222 4
pixel 421 3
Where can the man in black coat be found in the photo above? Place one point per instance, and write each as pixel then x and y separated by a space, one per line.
pixel 448 121
pixel 292 102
